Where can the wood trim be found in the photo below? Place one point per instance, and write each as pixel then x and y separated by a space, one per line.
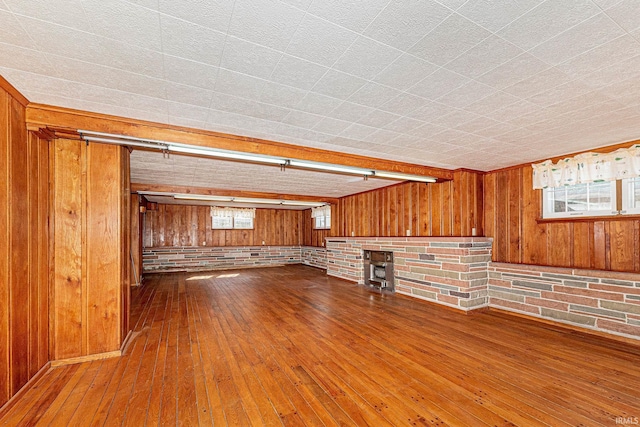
pixel 13 92
pixel 32 381
pixel 50 116
pixel 619 217
pixel 82 359
pixel 137 187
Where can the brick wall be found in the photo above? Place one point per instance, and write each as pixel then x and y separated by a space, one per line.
pixel 190 258
pixel 600 300
pixel 314 256
pixel 446 270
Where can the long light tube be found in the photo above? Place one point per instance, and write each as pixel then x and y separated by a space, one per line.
pixel 406 177
pixel 202 197
pixel 226 154
pixel 123 142
pixel 330 167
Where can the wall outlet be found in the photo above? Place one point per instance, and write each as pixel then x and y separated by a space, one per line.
pixel 263 243
pixel 353 233
pixel 408 232
pixel 204 243
pixel 474 232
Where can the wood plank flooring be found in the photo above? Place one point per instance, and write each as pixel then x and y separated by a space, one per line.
pixel 291 346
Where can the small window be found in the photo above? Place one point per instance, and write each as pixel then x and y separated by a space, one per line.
pixel 592 199
pixel 321 217
pixel 231 218
pixel 631 196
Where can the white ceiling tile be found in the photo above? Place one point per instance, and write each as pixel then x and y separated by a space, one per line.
pixel 405 72
pixel 300 4
pixel 492 102
pixel 601 57
pixel 61 13
pixel 605 4
pixel 249 58
pixel 302 119
pixel 546 21
pixel 562 92
pixel 403 104
pixel 365 58
pixel 511 72
pixel 466 95
pixel 187 94
pixel 120 20
pixel 454 119
pixel 352 14
pixel 626 14
pixel 537 83
pixel 357 131
pixel 373 95
pixel 183 71
pixel 477 124
pixel 297 72
pixel 184 122
pixel 437 84
pixel 430 111
pixel 338 84
pixel 402 23
pixel 3 6
pixel 191 41
pixel 267 22
pixel 238 84
pixel 452 4
pixel 378 118
pixel 281 95
pixel 579 39
pixel 485 56
pixel 188 111
pixel 233 104
pixel 449 40
pixel 25 59
pixel 350 111
pixel 382 136
pixel 318 104
pixel 495 130
pixel 331 126
pixel 403 125
pixel 493 15
pixel 427 130
pixel 320 41
pixel 213 14
pixel 514 110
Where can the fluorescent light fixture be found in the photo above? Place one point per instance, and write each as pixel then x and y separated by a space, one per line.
pixel 403 176
pixel 125 142
pixel 203 197
pixel 302 203
pixel 329 167
pixel 251 200
pixel 226 154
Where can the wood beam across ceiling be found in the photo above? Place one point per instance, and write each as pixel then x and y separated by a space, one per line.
pixel 39 115
pixel 175 189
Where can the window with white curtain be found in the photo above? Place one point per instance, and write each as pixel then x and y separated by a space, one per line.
pixel 590 199
pixel 232 218
pixel 321 217
pixel 631 196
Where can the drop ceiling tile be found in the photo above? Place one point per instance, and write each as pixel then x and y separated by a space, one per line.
pixel 454 119
pixel 250 16
pixel 511 72
pixel 123 21
pixel 477 124
pixel 320 41
pixel 214 14
pixel 402 24
pixel 403 104
pixel 184 122
pixel 382 136
pixel 62 13
pixel 538 83
pixel 466 95
pixel 493 15
pixel 428 130
pixel 338 84
pixel 373 95
pixel 626 14
pixel 452 4
pixel 187 111
pixel 187 94
pixel 237 84
pixel 562 92
pixel 495 130
pixel 3 6
pixel 350 112
pixel 378 118
pixel 24 59
pixel 302 119
pixel 352 14
pixel 300 4
pixel 331 126
pixel 437 84
pixel 492 102
pixel 449 40
pixel 514 110
pixel 430 111
pixel 191 41
pixel 297 72
pixel 183 71
pixel 405 72
pixel 617 72
pixel 589 34
pixel 546 21
pixel 281 95
pixel 149 4
pixel 403 125
pixel 357 131
pixel 365 58
pixel 249 58
pixel 484 57
pixel 318 104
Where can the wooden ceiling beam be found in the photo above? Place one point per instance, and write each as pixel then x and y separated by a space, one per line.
pixel 39 115
pixel 199 191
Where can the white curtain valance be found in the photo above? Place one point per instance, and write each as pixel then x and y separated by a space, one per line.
pixel 588 167
pixel 217 211
pixel 321 211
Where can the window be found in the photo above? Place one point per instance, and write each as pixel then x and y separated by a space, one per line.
pixel 321 217
pixel 631 196
pixel 232 218
pixel 591 199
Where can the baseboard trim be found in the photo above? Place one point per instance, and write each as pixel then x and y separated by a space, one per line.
pixel 88 358
pixel 34 379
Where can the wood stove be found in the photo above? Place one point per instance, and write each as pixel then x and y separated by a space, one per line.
pixel 378 270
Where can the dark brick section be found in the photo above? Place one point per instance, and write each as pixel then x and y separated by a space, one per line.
pixel 460 294
pixel 533 285
pixel 427 257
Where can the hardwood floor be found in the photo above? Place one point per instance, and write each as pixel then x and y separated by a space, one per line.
pixel 291 346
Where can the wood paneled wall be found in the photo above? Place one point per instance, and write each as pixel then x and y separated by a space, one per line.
pixel 24 247
pixel 90 222
pixel 512 209
pixel 450 208
pixel 183 225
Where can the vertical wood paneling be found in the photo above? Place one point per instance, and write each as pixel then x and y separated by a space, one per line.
pixel 5 254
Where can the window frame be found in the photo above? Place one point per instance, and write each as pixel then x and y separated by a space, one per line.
pixel 325 219
pixel 627 197
pixel 233 225
pixel 548 213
